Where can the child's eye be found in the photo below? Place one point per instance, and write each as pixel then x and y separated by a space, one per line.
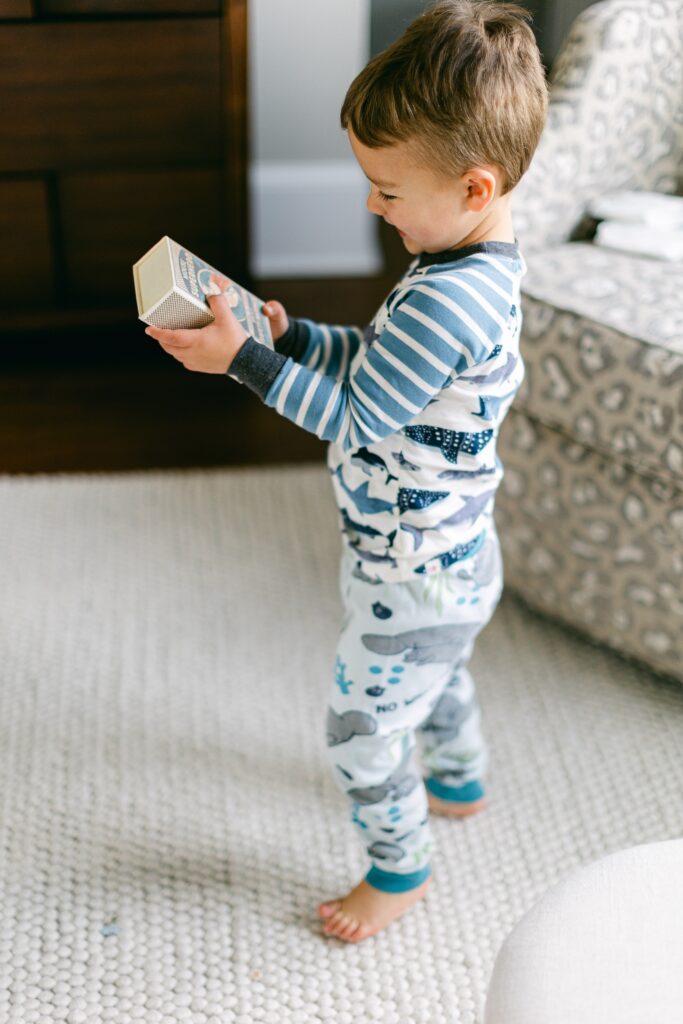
pixel 384 196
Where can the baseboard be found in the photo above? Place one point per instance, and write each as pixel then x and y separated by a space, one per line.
pixel 308 219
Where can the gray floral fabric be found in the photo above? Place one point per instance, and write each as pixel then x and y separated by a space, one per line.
pixel 615 119
pixel 603 345
pixel 590 510
pixel 592 542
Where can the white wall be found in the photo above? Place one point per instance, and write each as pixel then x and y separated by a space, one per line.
pixel 308 215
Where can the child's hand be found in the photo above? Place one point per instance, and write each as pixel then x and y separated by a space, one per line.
pixel 277 318
pixel 209 349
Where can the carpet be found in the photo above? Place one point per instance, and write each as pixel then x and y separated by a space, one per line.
pixel 168 821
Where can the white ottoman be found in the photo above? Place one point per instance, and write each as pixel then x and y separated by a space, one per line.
pixel 604 946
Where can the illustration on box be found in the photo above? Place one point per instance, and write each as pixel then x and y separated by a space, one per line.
pixel 197 277
pixel 171 286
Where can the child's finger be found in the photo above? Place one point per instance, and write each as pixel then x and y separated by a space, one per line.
pixel 223 283
pixel 174 339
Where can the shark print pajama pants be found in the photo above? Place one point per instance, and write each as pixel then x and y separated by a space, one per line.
pixel 401 682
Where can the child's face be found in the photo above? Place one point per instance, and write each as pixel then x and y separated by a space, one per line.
pixel 430 212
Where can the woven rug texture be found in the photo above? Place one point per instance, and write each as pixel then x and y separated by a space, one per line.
pixel 168 820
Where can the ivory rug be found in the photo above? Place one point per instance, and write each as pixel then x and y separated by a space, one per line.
pixel 168 822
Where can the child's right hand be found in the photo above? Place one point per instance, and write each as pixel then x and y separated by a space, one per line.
pixel 277 318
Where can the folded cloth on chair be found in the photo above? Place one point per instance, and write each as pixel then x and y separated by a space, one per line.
pixel 655 209
pixel 639 238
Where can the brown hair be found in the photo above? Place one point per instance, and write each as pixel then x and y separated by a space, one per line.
pixel 464 83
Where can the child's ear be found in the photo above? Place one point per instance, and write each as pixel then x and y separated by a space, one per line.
pixel 480 188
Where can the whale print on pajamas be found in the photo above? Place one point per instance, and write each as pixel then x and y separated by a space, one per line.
pixel 464 474
pixel 357 573
pixel 403 462
pixel 381 610
pixel 450 442
pixel 400 783
pixel 415 532
pixel 368 556
pixel 349 524
pixel 360 497
pixel 424 646
pixel 490 405
pixel 364 458
pixel 485 566
pixel 448 716
pixel 470 510
pixel 502 373
pixel 413 498
pixel 388 851
pixel 341 728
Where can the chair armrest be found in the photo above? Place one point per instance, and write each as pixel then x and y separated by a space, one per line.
pixel 615 118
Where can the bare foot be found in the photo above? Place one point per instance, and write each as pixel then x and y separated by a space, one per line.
pixel 454 810
pixel 366 910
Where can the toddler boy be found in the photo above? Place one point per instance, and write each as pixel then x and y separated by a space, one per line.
pixel 444 124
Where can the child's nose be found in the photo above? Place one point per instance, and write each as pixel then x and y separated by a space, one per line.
pixel 373 204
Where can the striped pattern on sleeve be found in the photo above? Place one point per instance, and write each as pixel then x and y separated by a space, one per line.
pixel 439 330
pixel 329 349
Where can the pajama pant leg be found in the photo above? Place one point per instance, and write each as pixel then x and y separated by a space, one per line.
pixel 454 752
pixel 402 647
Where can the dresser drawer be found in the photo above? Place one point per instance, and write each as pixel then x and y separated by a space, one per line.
pixel 137 7
pixel 109 220
pixel 16 9
pixel 26 279
pixel 110 95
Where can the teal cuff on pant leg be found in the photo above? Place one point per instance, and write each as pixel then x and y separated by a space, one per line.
pixel 388 881
pixel 466 794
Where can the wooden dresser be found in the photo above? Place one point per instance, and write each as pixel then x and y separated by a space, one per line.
pixel 123 120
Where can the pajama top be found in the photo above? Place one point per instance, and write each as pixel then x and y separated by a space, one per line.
pixel 411 406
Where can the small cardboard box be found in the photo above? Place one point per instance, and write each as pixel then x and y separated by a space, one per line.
pixel 171 285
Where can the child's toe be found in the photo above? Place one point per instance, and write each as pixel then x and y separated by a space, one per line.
pixel 329 924
pixel 328 909
pixel 350 927
pixel 335 923
pixel 343 926
pixel 363 931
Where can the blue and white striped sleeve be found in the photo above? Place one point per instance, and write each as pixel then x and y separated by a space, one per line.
pixel 323 347
pixel 434 335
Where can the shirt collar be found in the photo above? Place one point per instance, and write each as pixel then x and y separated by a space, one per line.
pixel 510 249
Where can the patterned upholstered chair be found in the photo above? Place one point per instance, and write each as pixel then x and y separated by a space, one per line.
pixel 590 510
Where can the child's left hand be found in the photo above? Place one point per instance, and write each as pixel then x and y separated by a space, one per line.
pixel 209 349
